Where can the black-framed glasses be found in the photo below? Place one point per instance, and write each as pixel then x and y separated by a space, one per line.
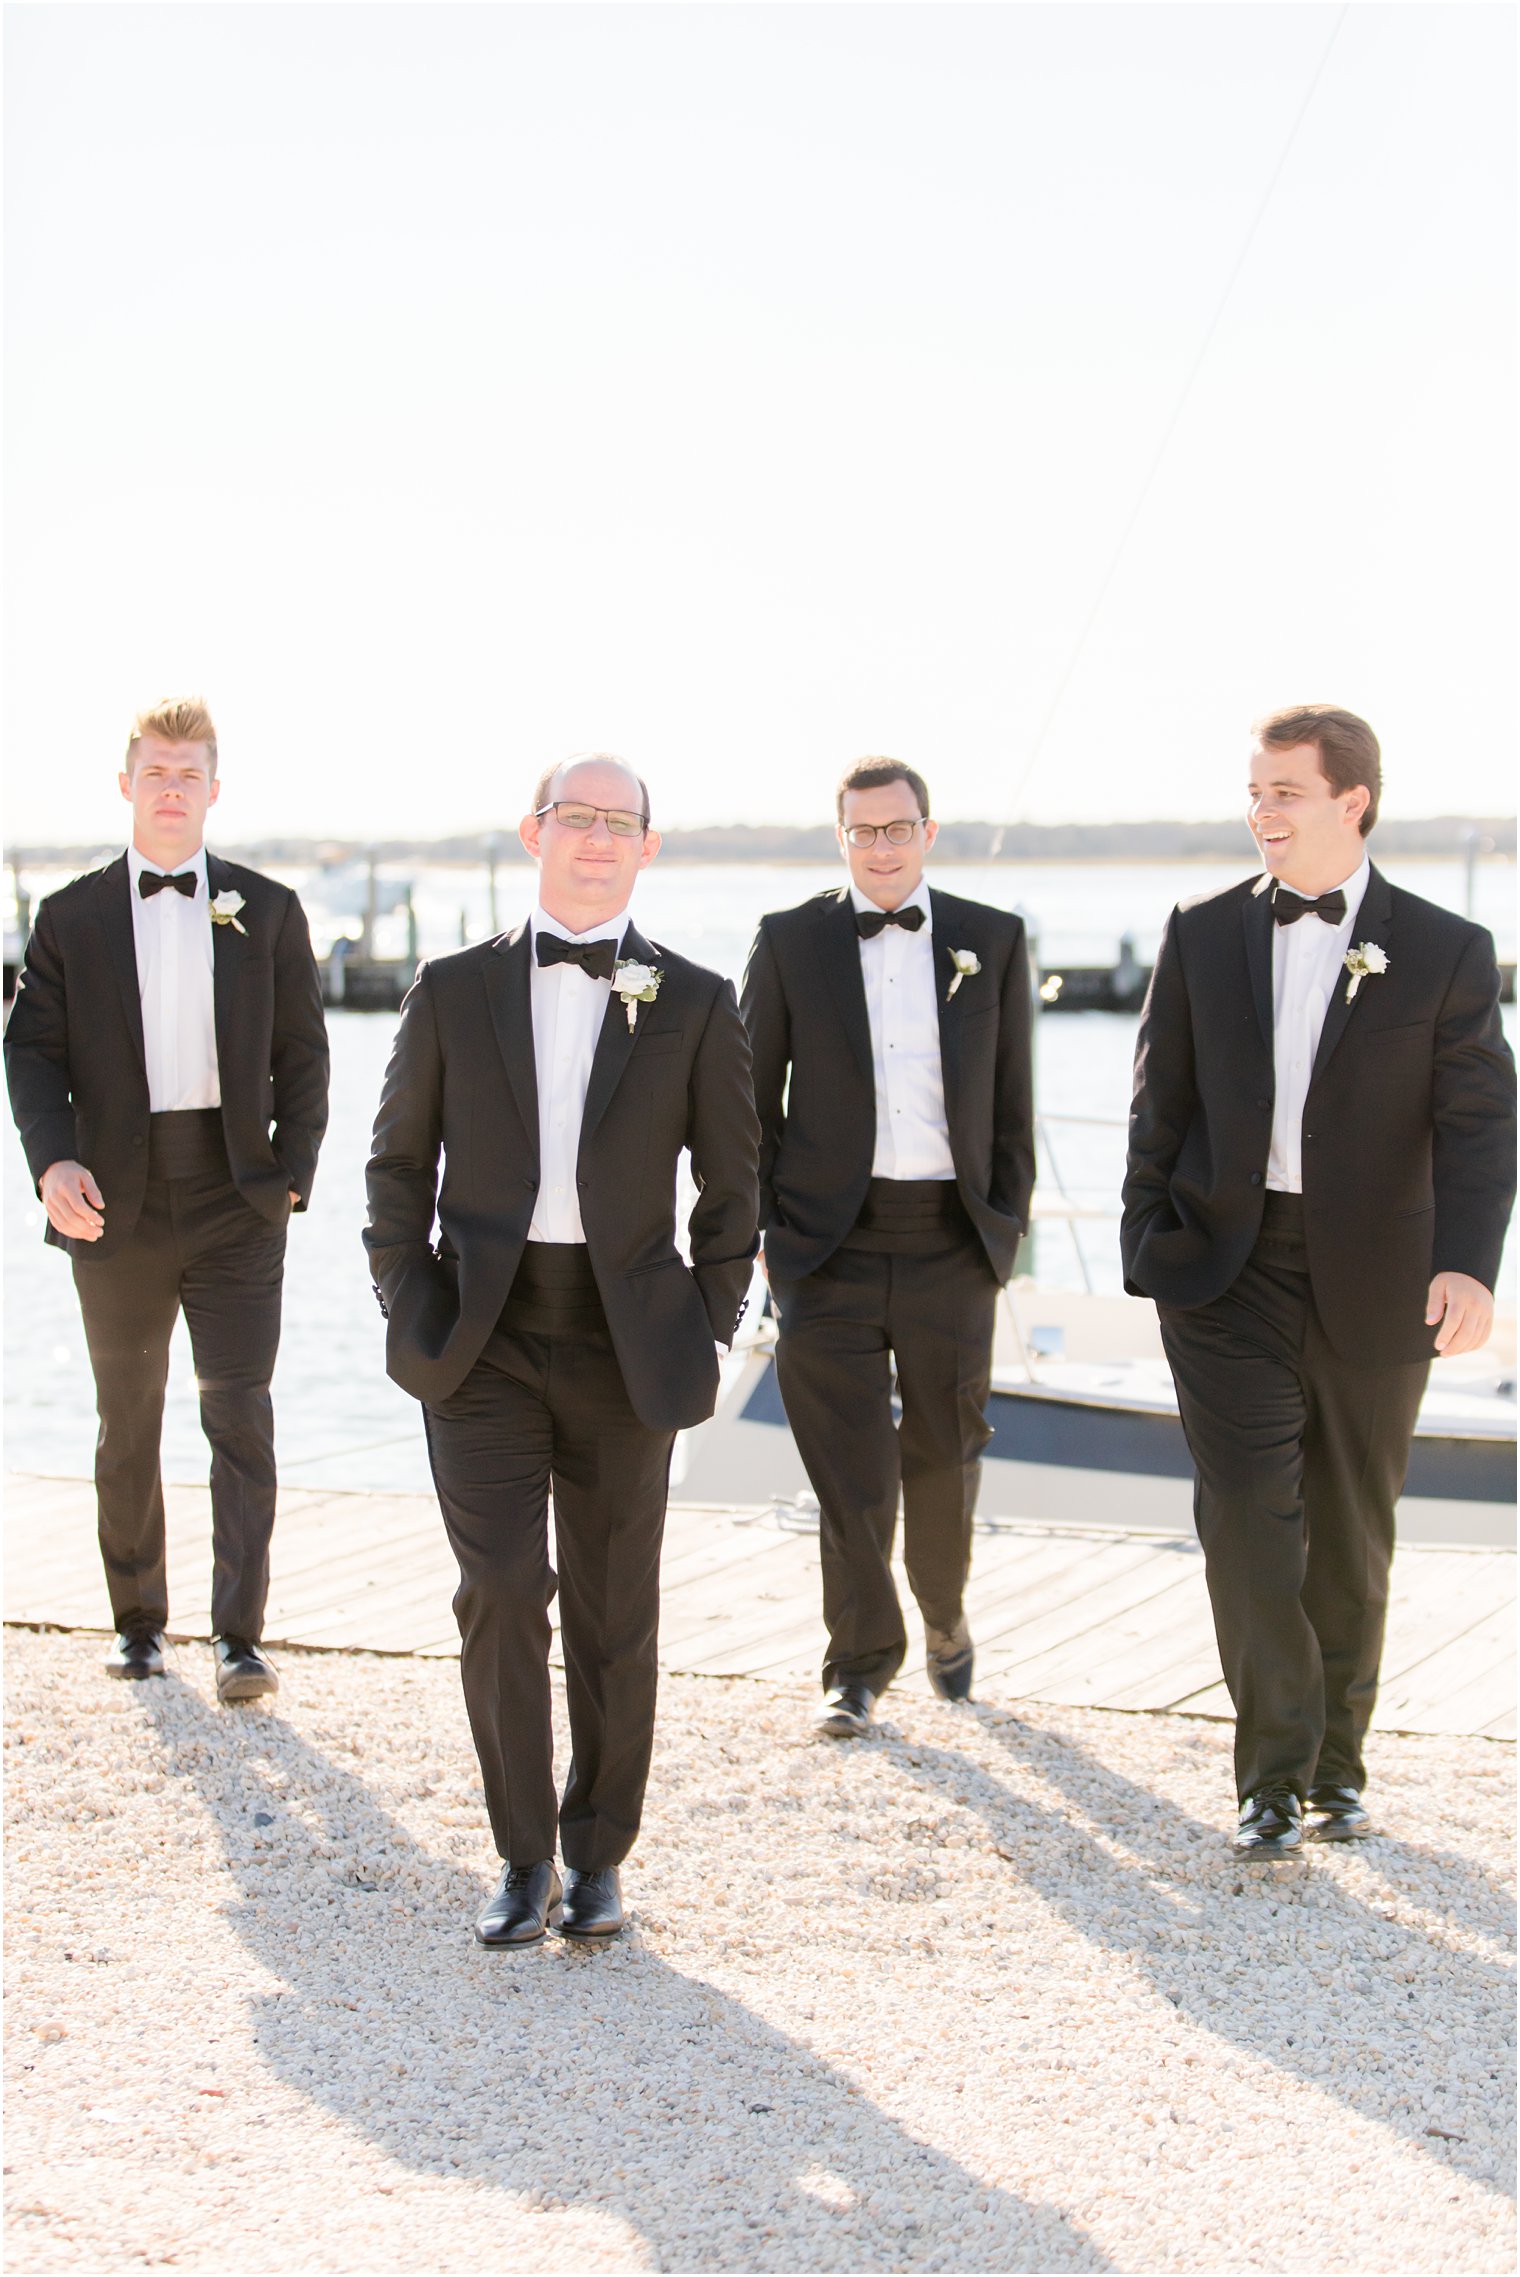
pixel 865 834
pixel 618 819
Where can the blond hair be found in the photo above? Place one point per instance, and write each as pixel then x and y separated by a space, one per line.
pixel 175 719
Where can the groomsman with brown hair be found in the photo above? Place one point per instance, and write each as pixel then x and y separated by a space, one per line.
pixel 167 1062
pixel 891 1026
pixel 1321 1170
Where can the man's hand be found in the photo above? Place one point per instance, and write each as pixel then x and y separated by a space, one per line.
pixel 74 1203
pixel 294 1196
pixel 1465 1310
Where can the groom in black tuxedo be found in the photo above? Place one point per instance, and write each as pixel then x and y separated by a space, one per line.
pixel 891 1033
pixel 554 1334
pixel 167 1062
pixel 1321 1171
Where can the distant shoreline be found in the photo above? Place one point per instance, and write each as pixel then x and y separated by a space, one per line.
pixel 960 845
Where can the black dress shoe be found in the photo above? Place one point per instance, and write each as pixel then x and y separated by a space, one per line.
pixel 950 1656
pixel 526 1903
pixel 137 1652
pixel 1271 1825
pixel 846 1711
pixel 1337 1814
pixel 242 1672
pixel 593 1904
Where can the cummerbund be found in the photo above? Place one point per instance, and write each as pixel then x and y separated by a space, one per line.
pixel 187 1143
pixel 1282 1220
pixel 554 1291
pixel 910 1217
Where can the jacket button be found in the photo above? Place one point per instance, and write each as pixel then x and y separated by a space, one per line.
pixel 138 1142
pixel 1264 1104
pixel 531 1184
pixel 1255 1177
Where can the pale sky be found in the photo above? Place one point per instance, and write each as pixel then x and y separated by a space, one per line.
pixel 744 388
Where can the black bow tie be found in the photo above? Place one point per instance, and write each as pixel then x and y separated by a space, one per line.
pixel 1288 907
pixel 150 882
pixel 869 922
pixel 595 958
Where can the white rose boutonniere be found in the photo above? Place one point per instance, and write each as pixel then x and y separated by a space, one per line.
pixel 636 984
pixel 1361 962
pixel 224 911
pixel 966 963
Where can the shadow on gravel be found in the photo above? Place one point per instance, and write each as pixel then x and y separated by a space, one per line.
pixel 1186 1900
pixel 603 2080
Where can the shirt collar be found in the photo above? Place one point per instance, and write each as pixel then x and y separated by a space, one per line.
pixel 917 899
pixel 137 862
pixel 613 929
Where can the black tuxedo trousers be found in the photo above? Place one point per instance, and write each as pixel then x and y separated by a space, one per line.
pixel 1300 1459
pixel 543 1411
pixel 198 1247
pixel 928 1304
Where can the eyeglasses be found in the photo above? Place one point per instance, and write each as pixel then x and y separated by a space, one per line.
pixel 619 821
pixel 864 834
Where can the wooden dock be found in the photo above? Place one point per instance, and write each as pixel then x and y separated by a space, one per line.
pixel 1062 1614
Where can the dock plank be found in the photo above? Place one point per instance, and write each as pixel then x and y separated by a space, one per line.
pixel 1067 1615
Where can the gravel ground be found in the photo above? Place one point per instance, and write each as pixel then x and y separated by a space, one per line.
pixel 985 1992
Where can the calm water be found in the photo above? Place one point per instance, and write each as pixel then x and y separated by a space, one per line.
pixel 340 1421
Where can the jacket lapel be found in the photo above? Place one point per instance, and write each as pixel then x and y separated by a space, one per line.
pixel 614 1045
pixel 508 979
pixel 228 949
pixel 1374 922
pixel 951 1024
pixel 113 905
pixel 839 953
pixel 1256 916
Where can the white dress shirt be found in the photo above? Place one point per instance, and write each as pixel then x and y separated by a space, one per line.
pixel 1308 964
pixel 912 1137
pixel 172 936
pixel 568 1010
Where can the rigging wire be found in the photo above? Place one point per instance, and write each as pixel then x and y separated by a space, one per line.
pixel 1172 424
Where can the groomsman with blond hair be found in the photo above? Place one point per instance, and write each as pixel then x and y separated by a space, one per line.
pixel 167 1062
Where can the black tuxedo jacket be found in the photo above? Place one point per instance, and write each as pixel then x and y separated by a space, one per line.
pixel 74 1045
pixel 815 1085
pixel 1408 1131
pixel 462 1081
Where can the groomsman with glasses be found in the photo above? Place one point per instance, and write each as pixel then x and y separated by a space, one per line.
pixel 1321 1171
pixel 167 1062
pixel 553 1332
pixel 891 1033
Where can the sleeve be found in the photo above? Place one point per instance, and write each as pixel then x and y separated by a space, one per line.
pixel 724 1137
pixel 1163 1099
pixel 37 1053
pixel 401 1177
pixel 1013 1148
pixel 299 1056
pixel 1473 1112
pixel 770 1041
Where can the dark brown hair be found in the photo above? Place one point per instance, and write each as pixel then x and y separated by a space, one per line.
pixel 871 774
pixel 545 781
pixel 1348 749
